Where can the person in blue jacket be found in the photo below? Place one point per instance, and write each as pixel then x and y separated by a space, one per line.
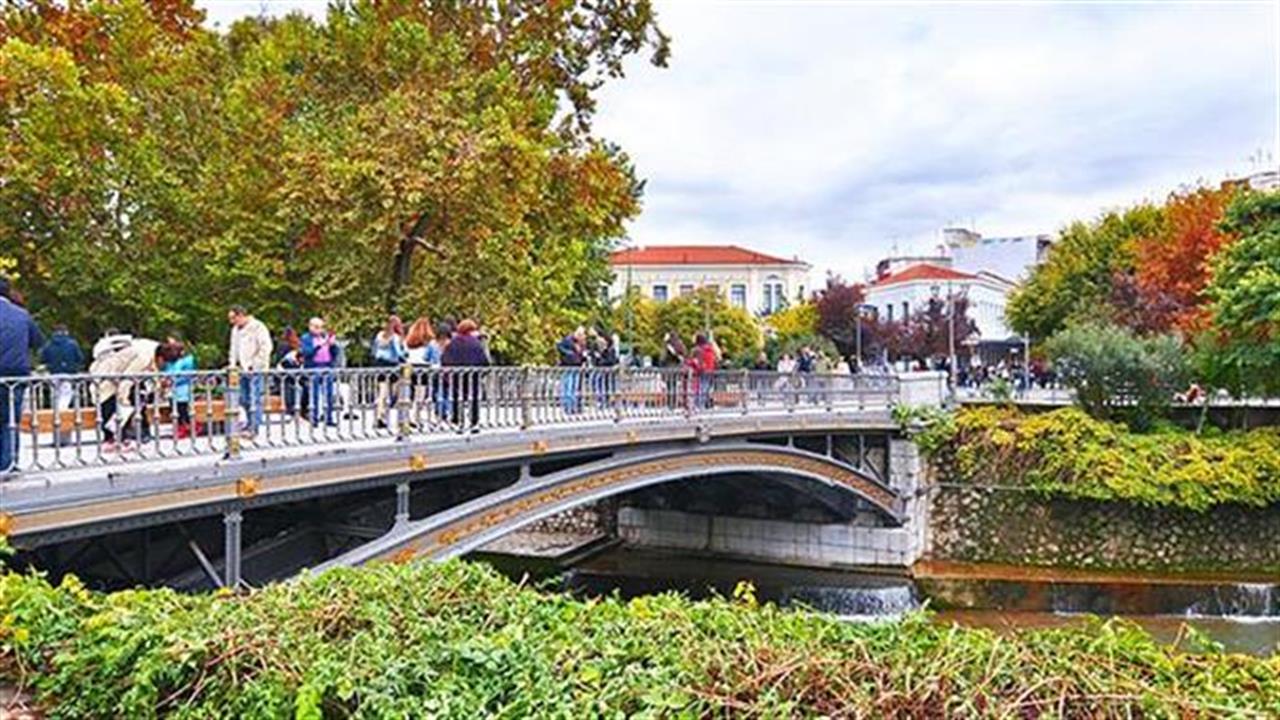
pixel 19 337
pixel 62 355
pixel 181 366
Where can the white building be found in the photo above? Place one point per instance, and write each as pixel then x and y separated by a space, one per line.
pixel 750 280
pixel 899 294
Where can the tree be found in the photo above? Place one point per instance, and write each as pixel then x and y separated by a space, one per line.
pixel 1117 375
pixel 837 305
pixel 1075 281
pixel 432 157
pixel 733 328
pixel 796 321
pixel 1173 266
pixel 1244 294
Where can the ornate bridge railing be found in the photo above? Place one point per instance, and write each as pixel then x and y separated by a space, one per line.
pixel 60 422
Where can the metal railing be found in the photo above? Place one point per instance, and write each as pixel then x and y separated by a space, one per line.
pixel 54 422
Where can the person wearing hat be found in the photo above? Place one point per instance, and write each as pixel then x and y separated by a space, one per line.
pixel 122 400
pixel 19 336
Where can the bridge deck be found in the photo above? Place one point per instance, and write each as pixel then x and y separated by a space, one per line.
pixel 288 460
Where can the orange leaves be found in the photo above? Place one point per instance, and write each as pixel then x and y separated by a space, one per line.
pixel 1173 265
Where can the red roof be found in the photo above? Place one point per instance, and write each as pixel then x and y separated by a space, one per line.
pixel 923 271
pixel 695 255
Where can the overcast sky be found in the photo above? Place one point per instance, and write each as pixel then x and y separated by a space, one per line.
pixel 839 131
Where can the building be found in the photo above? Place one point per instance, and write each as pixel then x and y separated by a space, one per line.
pixel 984 271
pixel 897 295
pixel 750 280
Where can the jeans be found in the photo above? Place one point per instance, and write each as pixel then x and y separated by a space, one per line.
pixel 322 392
pixel 466 402
pixel 251 400
pixel 570 379
pixel 10 424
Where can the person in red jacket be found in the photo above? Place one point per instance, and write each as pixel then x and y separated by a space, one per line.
pixel 704 359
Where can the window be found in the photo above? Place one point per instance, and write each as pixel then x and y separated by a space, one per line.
pixel 660 293
pixel 686 290
pixel 738 296
pixel 774 297
pixel 713 288
pixel 906 310
pixel 889 312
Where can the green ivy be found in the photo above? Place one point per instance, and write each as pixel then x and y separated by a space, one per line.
pixel 459 641
pixel 1068 453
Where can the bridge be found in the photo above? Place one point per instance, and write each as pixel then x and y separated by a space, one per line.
pixel 438 463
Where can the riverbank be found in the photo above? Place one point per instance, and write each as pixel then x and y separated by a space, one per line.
pixel 458 640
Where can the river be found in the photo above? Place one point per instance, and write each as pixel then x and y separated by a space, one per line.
pixel 1250 624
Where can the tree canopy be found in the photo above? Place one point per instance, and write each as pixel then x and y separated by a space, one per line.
pixel 429 157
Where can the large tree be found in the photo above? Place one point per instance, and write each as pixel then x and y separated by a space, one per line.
pixel 435 157
pixel 1076 280
pixel 1245 296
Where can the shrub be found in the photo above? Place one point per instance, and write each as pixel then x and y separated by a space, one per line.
pixel 1117 375
pixel 458 641
pixel 1066 452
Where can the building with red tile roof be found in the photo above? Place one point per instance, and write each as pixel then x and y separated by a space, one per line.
pixel 752 280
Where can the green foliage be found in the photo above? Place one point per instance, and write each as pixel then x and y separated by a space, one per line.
pixel 458 641
pixel 1117 375
pixel 796 321
pixel 1068 453
pixel 734 329
pixel 432 157
pixel 634 318
pixel 1075 281
pixel 1245 296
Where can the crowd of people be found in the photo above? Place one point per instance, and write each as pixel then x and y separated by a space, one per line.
pixel 123 402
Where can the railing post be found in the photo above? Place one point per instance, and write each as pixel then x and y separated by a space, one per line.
pixel 403 400
pixel 526 400
pixel 687 391
pixel 230 411
pixel 618 376
pixel 402 504
pixel 830 389
pixel 746 390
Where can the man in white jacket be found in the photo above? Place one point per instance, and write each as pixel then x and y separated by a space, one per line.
pixel 250 351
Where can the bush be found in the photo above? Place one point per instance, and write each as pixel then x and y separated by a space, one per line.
pixel 1068 453
pixel 1117 375
pixel 458 641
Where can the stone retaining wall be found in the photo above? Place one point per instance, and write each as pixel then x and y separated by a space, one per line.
pixel 1016 527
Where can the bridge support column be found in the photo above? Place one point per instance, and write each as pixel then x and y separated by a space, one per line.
pixel 905 474
pixel 402 504
pixel 231 521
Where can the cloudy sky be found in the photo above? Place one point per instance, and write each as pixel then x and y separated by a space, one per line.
pixel 839 131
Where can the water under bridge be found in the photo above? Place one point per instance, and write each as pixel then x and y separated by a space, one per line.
pixel 439 463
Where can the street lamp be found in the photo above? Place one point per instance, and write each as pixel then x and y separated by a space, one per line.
pixel 857 312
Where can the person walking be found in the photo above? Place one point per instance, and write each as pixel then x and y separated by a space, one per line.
pixel 465 351
pixel 704 360
pixel 62 355
pixel 180 366
pixel 389 353
pixel 673 362
pixel 250 351
pixel 604 360
pixel 422 354
pixel 123 400
pixel 320 354
pixel 572 357
pixel 19 337
pixel 293 384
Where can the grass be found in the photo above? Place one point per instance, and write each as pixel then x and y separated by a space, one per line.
pixel 459 641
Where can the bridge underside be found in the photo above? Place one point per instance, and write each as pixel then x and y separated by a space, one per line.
pixel 441 512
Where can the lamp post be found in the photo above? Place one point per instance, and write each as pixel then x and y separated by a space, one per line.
pixel 857 312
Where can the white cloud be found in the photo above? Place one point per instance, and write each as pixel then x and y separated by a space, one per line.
pixel 834 130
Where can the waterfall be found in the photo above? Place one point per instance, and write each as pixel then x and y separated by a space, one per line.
pixel 873 601
pixel 1237 600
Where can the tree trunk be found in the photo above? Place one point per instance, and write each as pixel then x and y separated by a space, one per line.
pixel 402 266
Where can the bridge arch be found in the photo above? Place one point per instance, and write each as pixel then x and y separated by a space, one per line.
pixel 469 526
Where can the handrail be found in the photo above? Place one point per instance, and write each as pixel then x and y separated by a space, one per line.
pixel 63 422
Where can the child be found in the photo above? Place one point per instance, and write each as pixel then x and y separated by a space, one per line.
pixel 181 364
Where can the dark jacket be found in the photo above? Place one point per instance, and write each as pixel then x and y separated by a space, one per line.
pixel 62 355
pixel 19 336
pixel 464 350
pixel 570 352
